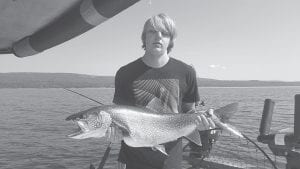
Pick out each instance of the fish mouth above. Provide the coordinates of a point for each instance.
(80, 130)
(75, 134)
(83, 131)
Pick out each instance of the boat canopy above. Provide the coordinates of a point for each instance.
(32, 26)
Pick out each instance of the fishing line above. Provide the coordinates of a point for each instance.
(266, 155)
(83, 96)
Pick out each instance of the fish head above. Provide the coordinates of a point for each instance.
(91, 124)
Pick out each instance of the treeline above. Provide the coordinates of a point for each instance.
(70, 80)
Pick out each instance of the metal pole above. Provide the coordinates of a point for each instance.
(297, 118)
(266, 119)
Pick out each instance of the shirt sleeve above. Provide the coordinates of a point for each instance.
(122, 95)
(118, 89)
(191, 95)
(122, 155)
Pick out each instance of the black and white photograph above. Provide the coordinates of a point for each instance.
(149, 84)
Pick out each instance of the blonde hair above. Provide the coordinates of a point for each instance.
(164, 24)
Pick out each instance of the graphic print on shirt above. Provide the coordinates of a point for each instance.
(161, 95)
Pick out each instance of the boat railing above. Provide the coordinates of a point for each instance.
(286, 142)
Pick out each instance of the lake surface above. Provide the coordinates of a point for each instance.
(33, 128)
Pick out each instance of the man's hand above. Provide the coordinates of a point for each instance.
(114, 134)
(205, 123)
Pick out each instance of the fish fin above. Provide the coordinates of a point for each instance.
(115, 135)
(155, 104)
(226, 112)
(158, 107)
(194, 137)
(160, 148)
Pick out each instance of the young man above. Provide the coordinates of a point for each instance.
(159, 82)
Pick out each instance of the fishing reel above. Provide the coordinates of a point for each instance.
(208, 137)
(285, 142)
(207, 140)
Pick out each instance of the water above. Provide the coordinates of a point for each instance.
(33, 128)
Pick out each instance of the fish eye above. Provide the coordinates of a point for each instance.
(98, 124)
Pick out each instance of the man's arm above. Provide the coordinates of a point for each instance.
(188, 107)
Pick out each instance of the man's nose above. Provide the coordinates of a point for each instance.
(158, 34)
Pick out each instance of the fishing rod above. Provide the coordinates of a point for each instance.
(107, 151)
(84, 96)
(265, 154)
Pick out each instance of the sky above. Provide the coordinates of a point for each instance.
(222, 39)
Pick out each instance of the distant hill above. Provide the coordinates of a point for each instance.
(240, 83)
(53, 80)
(70, 80)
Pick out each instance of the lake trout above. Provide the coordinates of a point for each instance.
(142, 127)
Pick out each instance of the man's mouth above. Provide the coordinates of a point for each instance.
(157, 44)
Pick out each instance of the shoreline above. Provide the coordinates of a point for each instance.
(113, 87)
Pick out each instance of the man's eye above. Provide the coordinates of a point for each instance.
(165, 34)
(152, 31)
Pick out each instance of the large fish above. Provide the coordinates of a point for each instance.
(142, 127)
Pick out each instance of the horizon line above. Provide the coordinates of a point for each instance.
(114, 76)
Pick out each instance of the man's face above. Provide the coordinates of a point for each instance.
(156, 42)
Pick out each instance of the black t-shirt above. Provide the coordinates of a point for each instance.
(163, 90)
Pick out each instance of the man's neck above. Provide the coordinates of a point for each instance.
(155, 61)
